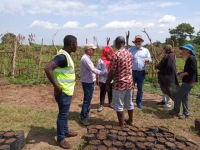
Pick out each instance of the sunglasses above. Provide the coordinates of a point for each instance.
(138, 41)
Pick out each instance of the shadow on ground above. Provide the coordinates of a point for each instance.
(40, 134)
(93, 106)
(75, 116)
(152, 108)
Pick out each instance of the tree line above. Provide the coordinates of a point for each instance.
(181, 34)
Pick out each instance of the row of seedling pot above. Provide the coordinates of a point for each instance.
(109, 137)
(12, 140)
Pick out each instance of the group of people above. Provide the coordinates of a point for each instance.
(117, 73)
(167, 77)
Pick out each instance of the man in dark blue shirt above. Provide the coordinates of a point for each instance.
(63, 91)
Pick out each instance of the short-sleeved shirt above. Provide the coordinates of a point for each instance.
(60, 61)
(121, 65)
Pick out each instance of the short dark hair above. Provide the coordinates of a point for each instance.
(120, 40)
(69, 39)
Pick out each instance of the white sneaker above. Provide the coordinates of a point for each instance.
(167, 106)
(84, 122)
(100, 108)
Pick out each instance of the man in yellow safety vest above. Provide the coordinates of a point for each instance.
(61, 73)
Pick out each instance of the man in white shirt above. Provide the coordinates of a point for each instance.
(141, 58)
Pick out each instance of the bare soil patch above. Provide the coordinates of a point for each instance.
(41, 96)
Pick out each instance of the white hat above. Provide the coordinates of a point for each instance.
(89, 46)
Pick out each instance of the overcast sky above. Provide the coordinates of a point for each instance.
(100, 18)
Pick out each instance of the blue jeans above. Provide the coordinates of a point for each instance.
(64, 102)
(88, 89)
(182, 96)
(139, 77)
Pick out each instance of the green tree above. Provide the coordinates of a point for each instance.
(181, 32)
(157, 43)
(196, 39)
(8, 38)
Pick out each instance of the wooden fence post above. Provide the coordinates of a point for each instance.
(40, 61)
(13, 59)
(18, 40)
(56, 49)
(127, 38)
(107, 41)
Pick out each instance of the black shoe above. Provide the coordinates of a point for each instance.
(160, 103)
(173, 112)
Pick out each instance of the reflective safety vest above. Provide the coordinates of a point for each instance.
(65, 77)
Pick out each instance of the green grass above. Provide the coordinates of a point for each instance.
(23, 117)
(37, 122)
(28, 81)
(197, 132)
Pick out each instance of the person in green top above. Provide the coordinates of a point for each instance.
(60, 72)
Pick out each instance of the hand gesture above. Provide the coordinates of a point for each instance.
(181, 75)
(57, 90)
(97, 82)
(146, 59)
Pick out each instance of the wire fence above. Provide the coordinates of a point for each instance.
(29, 64)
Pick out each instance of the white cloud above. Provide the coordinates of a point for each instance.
(167, 4)
(90, 25)
(79, 8)
(54, 7)
(130, 8)
(148, 25)
(122, 25)
(43, 24)
(48, 25)
(163, 25)
(71, 24)
(161, 32)
(167, 19)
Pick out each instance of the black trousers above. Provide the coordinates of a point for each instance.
(103, 93)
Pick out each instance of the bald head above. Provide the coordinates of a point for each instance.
(120, 40)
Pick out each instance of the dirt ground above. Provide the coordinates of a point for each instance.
(42, 96)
